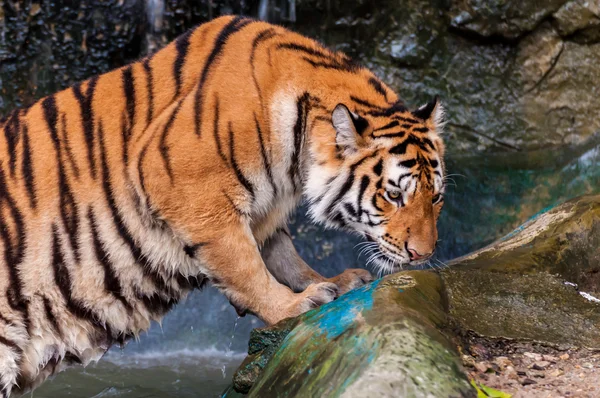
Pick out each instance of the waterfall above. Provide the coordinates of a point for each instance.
(154, 12)
(277, 10)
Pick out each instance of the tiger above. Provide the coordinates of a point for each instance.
(123, 193)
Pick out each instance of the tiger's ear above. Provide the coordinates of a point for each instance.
(348, 128)
(432, 112)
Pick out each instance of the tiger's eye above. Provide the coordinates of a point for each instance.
(394, 194)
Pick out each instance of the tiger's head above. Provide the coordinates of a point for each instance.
(389, 182)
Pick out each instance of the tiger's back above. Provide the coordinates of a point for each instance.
(121, 194)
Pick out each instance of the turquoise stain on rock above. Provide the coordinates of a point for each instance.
(333, 318)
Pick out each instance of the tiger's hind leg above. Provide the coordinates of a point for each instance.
(286, 265)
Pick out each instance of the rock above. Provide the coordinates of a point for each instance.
(482, 367)
(468, 360)
(537, 55)
(540, 365)
(556, 373)
(558, 101)
(533, 355)
(380, 339)
(564, 357)
(550, 358)
(385, 337)
(505, 18)
(514, 288)
(576, 15)
(503, 362)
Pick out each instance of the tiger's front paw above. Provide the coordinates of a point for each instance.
(351, 279)
(313, 296)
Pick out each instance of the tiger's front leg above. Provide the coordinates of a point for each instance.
(237, 269)
(287, 266)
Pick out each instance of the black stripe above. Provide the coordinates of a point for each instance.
(434, 163)
(149, 86)
(238, 172)
(422, 143)
(399, 134)
(376, 84)
(325, 56)
(129, 91)
(398, 106)
(303, 108)
(364, 184)
(348, 183)
(65, 140)
(27, 169)
(87, 118)
(12, 131)
(391, 124)
(216, 130)
(139, 257)
(374, 202)
(403, 176)
(421, 129)
(406, 119)
(338, 218)
(262, 36)
(50, 315)
(62, 278)
(11, 344)
(351, 211)
(191, 250)
(14, 249)
(367, 104)
(163, 147)
(408, 163)
(378, 168)
(181, 44)
(342, 68)
(265, 159)
(233, 26)
(68, 206)
(112, 284)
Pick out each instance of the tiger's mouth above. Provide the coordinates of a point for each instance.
(390, 259)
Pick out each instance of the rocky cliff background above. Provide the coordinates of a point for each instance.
(515, 75)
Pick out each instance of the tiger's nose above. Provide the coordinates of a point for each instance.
(414, 255)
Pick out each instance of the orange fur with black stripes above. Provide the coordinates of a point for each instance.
(121, 194)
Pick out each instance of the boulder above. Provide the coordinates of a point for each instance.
(398, 336)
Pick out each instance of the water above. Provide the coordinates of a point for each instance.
(229, 353)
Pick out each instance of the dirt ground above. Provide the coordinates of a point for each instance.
(529, 370)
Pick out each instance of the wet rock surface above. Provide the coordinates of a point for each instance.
(531, 284)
